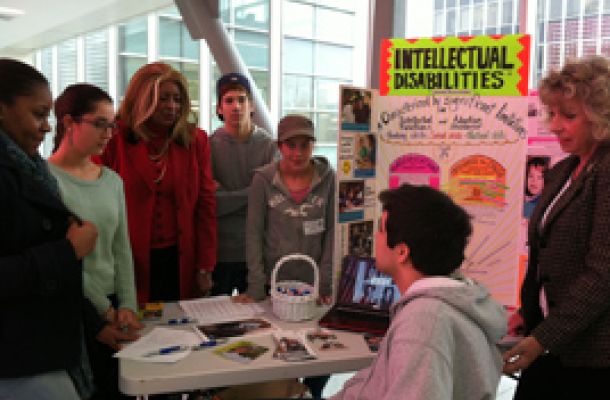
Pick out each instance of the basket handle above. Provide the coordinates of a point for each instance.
(291, 257)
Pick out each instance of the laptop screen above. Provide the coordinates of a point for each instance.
(362, 285)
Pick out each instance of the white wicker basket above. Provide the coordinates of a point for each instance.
(289, 307)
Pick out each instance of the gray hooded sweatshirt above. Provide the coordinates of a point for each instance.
(441, 345)
(233, 165)
(278, 226)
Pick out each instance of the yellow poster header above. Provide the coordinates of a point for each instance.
(484, 65)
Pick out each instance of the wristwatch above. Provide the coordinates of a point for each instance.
(203, 272)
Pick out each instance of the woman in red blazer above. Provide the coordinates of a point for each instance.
(165, 165)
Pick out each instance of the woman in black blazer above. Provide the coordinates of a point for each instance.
(566, 292)
(41, 300)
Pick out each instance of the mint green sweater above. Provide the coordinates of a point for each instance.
(108, 269)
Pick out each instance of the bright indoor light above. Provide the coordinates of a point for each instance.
(8, 13)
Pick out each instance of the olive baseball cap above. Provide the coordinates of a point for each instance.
(295, 125)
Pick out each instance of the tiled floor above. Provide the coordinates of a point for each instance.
(506, 388)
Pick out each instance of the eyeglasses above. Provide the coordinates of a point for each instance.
(99, 124)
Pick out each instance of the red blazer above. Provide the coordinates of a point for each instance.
(195, 204)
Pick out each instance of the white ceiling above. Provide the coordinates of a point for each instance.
(50, 21)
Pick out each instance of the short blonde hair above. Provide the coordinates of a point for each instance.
(141, 99)
(585, 80)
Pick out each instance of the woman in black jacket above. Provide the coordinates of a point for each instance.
(565, 297)
(41, 245)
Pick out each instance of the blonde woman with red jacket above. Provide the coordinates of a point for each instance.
(165, 165)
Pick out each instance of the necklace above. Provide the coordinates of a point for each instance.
(157, 152)
(158, 156)
(161, 166)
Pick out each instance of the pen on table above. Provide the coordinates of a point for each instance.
(181, 321)
(209, 343)
(167, 350)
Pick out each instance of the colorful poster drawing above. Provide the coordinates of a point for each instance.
(416, 169)
(346, 167)
(478, 180)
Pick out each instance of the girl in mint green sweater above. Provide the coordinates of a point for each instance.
(85, 119)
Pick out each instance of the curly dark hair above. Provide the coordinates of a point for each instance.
(435, 229)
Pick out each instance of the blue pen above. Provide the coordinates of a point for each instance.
(167, 350)
(209, 343)
(181, 321)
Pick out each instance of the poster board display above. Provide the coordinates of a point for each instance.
(468, 140)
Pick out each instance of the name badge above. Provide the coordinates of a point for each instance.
(313, 227)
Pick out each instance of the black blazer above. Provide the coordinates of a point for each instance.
(570, 258)
(40, 278)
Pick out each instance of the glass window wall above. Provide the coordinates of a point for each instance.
(66, 64)
(96, 58)
(133, 50)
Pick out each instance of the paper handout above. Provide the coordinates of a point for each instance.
(164, 345)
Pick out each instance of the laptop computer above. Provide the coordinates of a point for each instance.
(364, 297)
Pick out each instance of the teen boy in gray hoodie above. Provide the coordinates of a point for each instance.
(238, 147)
(441, 343)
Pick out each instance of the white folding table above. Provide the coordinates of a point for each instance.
(203, 369)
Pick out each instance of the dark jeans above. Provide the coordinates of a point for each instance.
(229, 275)
(104, 367)
(316, 385)
(164, 274)
(547, 378)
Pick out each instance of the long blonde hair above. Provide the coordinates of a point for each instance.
(141, 99)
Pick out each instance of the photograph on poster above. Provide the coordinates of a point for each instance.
(360, 239)
(535, 168)
(366, 147)
(536, 117)
(355, 109)
(351, 200)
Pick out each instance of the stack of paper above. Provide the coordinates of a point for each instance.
(219, 308)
